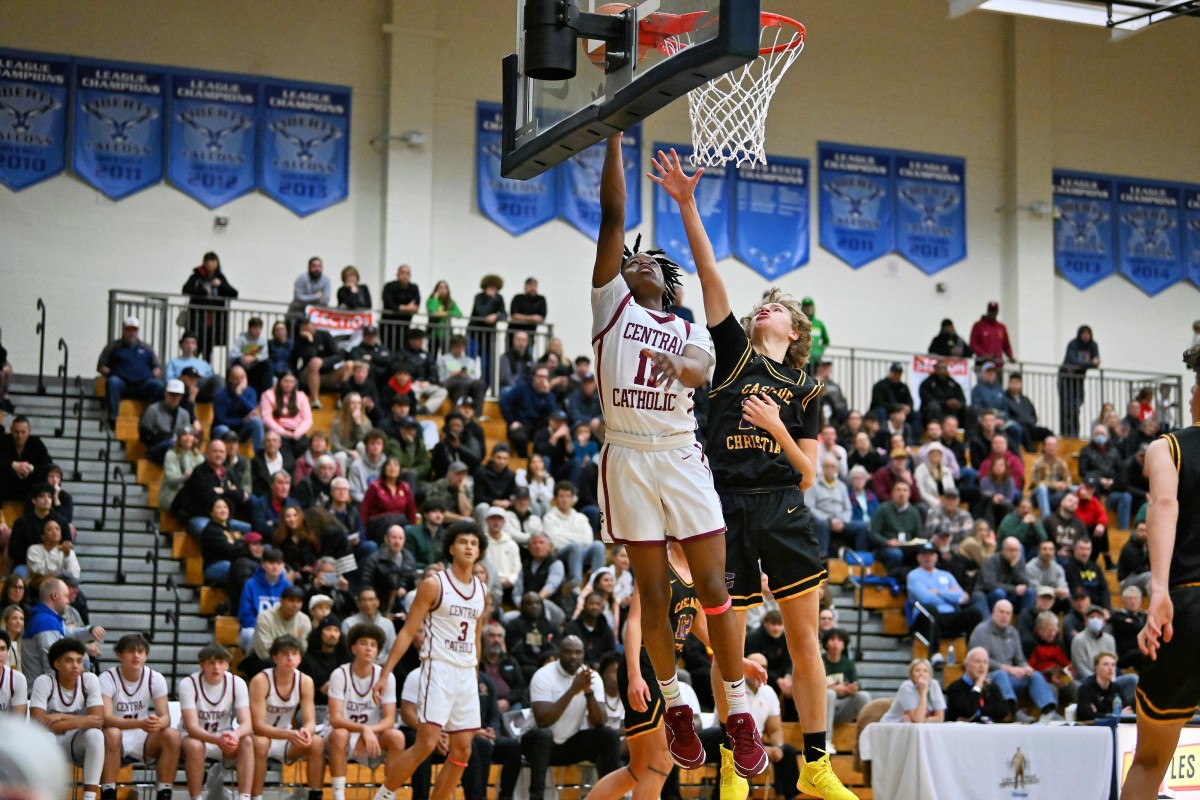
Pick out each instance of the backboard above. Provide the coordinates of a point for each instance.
(681, 45)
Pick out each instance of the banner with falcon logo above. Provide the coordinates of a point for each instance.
(304, 147)
(33, 117)
(1083, 227)
(1191, 233)
(713, 201)
(1148, 233)
(118, 125)
(516, 206)
(931, 210)
(211, 154)
(770, 215)
(856, 202)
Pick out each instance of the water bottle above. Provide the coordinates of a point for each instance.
(1116, 709)
(950, 656)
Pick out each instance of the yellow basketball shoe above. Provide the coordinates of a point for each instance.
(733, 786)
(818, 779)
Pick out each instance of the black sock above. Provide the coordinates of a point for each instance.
(1049, 708)
(814, 746)
(314, 794)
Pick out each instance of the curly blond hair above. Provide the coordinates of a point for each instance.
(797, 352)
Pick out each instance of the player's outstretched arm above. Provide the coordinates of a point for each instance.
(427, 595)
(610, 244)
(682, 189)
(1161, 519)
(639, 692)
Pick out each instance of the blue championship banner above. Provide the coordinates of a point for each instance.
(1084, 237)
(304, 146)
(211, 154)
(118, 128)
(931, 210)
(712, 199)
(1148, 233)
(579, 184)
(855, 202)
(1191, 233)
(33, 117)
(770, 217)
(516, 206)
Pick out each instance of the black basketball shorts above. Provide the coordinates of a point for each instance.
(1169, 687)
(769, 533)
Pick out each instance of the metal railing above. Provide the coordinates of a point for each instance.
(40, 330)
(120, 503)
(858, 369)
(151, 558)
(164, 318)
(173, 618)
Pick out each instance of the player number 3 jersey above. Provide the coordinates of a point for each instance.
(633, 402)
(451, 624)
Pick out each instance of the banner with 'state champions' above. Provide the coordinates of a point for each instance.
(770, 217)
(33, 117)
(855, 202)
(579, 184)
(211, 154)
(1084, 239)
(1191, 233)
(516, 206)
(713, 201)
(304, 146)
(118, 128)
(931, 210)
(1148, 233)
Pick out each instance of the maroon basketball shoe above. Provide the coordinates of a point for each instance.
(749, 757)
(682, 742)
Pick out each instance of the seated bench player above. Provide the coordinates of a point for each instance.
(67, 701)
(137, 718)
(363, 727)
(14, 689)
(215, 710)
(276, 694)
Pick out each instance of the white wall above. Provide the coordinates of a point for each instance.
(895, 74)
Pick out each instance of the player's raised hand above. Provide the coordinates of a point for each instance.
(639, 693)
(1158, 624)
(672, 178)
(668, 368)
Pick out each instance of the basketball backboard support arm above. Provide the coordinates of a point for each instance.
(531, 147)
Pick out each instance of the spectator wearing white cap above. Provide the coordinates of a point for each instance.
(164, 420)
(503, 557)
(130, 369)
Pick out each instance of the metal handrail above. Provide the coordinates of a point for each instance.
(173, 616)
(40, 330)
(852, 555)
(63, 371)
(151, 558)
(920, 609)
(76, 475)
(106, 454)
(120, 503)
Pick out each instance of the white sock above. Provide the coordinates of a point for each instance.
(735, 695)
(339, 788)
(385, 793)
(257, 797)
(89, 796)
(243, 796)
(197, 797)
(670, 691)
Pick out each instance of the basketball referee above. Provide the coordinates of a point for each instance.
(1169, 687)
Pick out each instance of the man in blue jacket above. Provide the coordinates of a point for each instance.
(525, 406)
(46, 625)
(130, 368)
(261, 593)
(939, 593)
(987, 395)
(234, 407)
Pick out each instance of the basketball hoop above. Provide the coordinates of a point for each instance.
(729, 113)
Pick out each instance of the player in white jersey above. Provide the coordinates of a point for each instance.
(363, 721)
(215, 710)
(654, 481)
(14, 695)
(67, 701)
(137, 718)
(276, 694)
(448, 607)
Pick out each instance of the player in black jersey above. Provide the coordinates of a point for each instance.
(762, 444)
(649, 762)
(1169, 686)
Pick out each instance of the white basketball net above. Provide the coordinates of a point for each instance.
(729, 113)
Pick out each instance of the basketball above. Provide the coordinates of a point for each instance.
(597, 55)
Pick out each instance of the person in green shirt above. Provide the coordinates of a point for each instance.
(820, 336)
(844, 700)
(897, 521)
(1023, 525)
